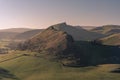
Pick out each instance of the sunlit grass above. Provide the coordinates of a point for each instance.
(36, 68)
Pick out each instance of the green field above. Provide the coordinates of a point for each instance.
(38, 68)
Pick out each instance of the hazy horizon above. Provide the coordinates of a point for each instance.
(43, 13)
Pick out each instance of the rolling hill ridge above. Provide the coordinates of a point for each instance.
(28, 34)
(111, 40)
(107, 29)
(77, 32)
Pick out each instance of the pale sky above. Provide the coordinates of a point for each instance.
(43, 13)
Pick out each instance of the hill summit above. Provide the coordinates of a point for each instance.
(77, 32)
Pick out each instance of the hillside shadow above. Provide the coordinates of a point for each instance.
(6, 74)
(115, 70)
(92, 54)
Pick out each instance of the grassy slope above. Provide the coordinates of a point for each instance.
(107, 29)
(36, 68)
(111, 40)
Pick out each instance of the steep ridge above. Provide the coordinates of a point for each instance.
(77, 32)
(54, 43)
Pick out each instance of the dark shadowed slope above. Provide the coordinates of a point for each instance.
(6, 75)
(92, 53)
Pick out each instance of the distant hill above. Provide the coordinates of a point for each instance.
(27, 34)
(18, 33)
(12, 32)
(111, 40)
(88, 27)
(77, 32)
(7, 35)
(107, 29)
(16, 30)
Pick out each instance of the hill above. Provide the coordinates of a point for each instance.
(107, 29)
(44, 40)
(16, 30)
(111, 40)
(7, 35)
(51, 42)
(27, 34)
(77, 32)
(12, 32)
(57, 44)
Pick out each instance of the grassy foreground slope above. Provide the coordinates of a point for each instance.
(38, 68)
